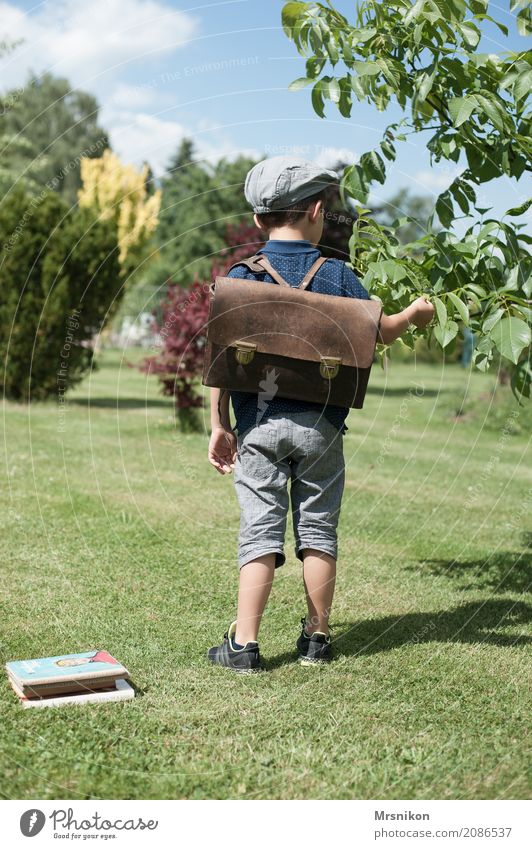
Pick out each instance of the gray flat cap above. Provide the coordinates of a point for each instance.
(283, 180)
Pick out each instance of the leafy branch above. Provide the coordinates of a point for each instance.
(423, 55)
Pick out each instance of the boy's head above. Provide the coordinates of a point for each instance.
(287, 196)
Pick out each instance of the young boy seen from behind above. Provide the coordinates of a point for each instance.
(277, 440)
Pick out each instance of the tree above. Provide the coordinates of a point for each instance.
(198, 202)
(18, 146)
(59, 276)
(120, 194)
(182, 328)
(47, 128)
(423, 55)
(340, 218)
(417, 209)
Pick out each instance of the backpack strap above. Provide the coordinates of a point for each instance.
(250, 262)
(312, 271)
(267, 266)
(258, 263)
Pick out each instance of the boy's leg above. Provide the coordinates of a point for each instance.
(255, 584)
(261, 479)
(319, 577)
(317, 487)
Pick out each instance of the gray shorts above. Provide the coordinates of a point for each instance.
(306, 449)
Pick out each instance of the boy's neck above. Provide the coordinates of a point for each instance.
(289, 234)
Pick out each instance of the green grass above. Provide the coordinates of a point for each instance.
(119, 535)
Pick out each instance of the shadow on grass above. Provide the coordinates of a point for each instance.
(504, 571)
(402, 391)
(121, 403)
(476, 622)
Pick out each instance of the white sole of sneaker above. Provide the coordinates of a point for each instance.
(239, 671)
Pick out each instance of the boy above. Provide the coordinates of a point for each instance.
(279, 439)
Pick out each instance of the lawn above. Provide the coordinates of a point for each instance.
(119, 535)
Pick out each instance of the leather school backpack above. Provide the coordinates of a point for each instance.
(288, 341)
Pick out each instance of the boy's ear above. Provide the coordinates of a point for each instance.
(258, 223)
(315, 210)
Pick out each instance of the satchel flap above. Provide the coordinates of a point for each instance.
(293, 323)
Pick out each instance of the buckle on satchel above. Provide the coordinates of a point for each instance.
(330, 366)
(245, 351)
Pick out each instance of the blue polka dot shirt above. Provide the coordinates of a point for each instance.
(292, 259)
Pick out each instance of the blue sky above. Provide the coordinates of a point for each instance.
(217, 72)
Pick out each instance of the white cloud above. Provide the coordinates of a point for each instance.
(93, 45)
(87, 42)
(227, 151)
(435, 180)
(138, 136)
(127, 97)
(329, 157)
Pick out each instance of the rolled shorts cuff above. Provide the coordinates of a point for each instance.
(325, 546)
(260, 551)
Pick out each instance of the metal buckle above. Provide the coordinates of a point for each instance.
(245, 351)
(330, 366)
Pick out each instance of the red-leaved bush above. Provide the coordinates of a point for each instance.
(182, 325)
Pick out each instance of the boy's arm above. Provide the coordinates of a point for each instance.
(419, 313)
(222, 444)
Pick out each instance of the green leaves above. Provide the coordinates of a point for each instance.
(524, 16)
(490, 322)
(492, 109)
(441, 311)
(354, 183)
(363, 34)
(522, 85)
(317, 99)
(470, 34)
(328, 88)
(300, 83)
(367, 69)
(520, 210)
(290, 15)
(424, 55)
(510, 336)
(446, 334)
(446, 329)
(371, 168)
(522, 380)
(414, 12)
(460, 307)
(331, 89)
(444, 208)
(461, 108)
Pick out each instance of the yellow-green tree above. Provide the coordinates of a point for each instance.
(121, 194)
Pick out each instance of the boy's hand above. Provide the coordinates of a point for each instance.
(222, 450)
(421, 312)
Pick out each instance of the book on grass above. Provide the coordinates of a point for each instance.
(85, 672)
(120, 691)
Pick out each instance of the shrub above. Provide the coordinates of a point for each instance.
(59, 278)
(181, 323)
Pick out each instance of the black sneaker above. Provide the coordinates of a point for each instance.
(313, 650)
(245, 660)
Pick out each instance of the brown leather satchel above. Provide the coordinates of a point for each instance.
(288, 342)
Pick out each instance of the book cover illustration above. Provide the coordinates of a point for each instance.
(90, 664)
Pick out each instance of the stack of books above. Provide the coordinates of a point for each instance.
(90, 676)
